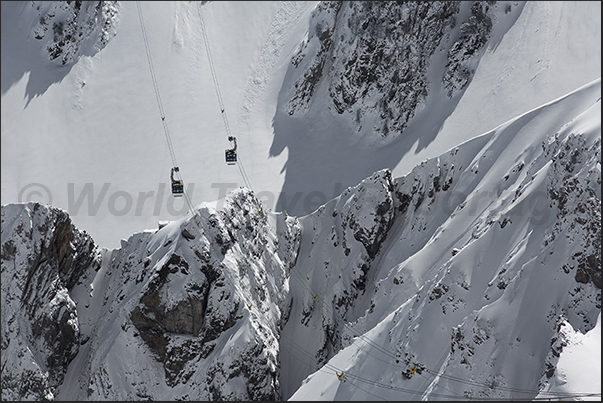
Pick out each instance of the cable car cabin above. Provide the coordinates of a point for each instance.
(177, 188)
(231, 157)
(177, 184)
(231, 153)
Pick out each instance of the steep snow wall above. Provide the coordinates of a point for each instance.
(440, 283)
(483, 253)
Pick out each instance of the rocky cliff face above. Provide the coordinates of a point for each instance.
(197, 303)
(69, 29)
(480, 254)
(574, 189)
(223, 270)
(200, 301)
(342, 239)
(488, 251)
(476, 263)
(43, 257)
(372, 59)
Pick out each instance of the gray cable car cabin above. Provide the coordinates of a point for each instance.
(177, 184)
(231, 153)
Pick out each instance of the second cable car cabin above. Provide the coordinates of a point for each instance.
(177, 184)
(231, 153)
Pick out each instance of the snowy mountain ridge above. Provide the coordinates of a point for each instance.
(475, 274)
(472, 230)
(210, 287)
(218, 306)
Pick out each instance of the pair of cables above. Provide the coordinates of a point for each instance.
(160, 103)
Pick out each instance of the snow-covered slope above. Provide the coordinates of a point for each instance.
(88, 137)
(439, 238)
(190, 311)
(573, 349)
(440, 283)
(520, 62)
(490, 247)
(92, 131)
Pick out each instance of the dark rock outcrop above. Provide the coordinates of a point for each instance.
(43, 257)
(69, 29)
(373, 57)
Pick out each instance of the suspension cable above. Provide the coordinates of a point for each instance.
(160, 104)
(214, 77)
(392, 356)
(307, 285)
(380, 384)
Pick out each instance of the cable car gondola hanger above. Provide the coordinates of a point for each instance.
(231, 154)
